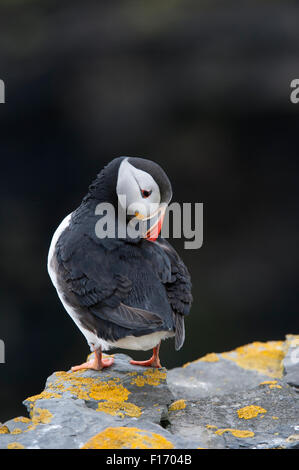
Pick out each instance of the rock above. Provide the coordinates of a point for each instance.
(243, 398)
(291, 361)
(247, 398)
(219, 374)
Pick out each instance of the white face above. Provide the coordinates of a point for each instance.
(137, 191)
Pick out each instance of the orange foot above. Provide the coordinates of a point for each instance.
(154, 361)
(97, 363)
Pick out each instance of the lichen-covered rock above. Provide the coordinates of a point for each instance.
(247, 398)
(243, 398)
(219, 374)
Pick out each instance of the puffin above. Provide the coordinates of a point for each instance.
(122, 291)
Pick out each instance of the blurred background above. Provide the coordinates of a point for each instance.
(201, 87)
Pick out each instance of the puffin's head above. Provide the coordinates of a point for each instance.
(144, 191)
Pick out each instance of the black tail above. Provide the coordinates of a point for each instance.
(179, 331)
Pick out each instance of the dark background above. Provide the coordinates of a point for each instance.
(203, 88)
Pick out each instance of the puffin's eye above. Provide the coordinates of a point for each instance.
(145, 193)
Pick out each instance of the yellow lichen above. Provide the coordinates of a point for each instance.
(109, 391)
(22, 419)
(269, 382)
(89, 388)
(152, 377)
(127, 438)
(235, 432)
(262, 357)
(249, 412)
(211, 426)
(16, 431)
(43, 395)
(4, 430)
(31, 427)
(211, 357)
(112, 395)
(275, 417)
(177, 405)
(15, 445)
(41, 416)
(139, 381)
(120, 409)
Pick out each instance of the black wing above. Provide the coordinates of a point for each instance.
(178, 287)
(88, 274)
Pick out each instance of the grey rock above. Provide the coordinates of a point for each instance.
(214, 402)
(216, 422)
(291, 361)
(204, 379)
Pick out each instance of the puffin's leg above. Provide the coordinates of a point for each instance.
(97, 363)
(154, 361)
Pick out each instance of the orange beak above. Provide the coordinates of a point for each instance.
(153, 233)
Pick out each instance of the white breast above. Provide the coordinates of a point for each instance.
(93, 340)
(64, 224)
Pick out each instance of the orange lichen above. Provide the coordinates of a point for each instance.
(249, 412)
(43, 396)
(108, 391)
(177, 405)
(269, 382)
(15, 445)
(22, 419)
(120, 409)
(127, 438)
(111, 394)
(262, 357)
(41, 416)
(211, 357)
(16, 431)
(4, 430)
(152, 377)
(235, 432)
(31, 427)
